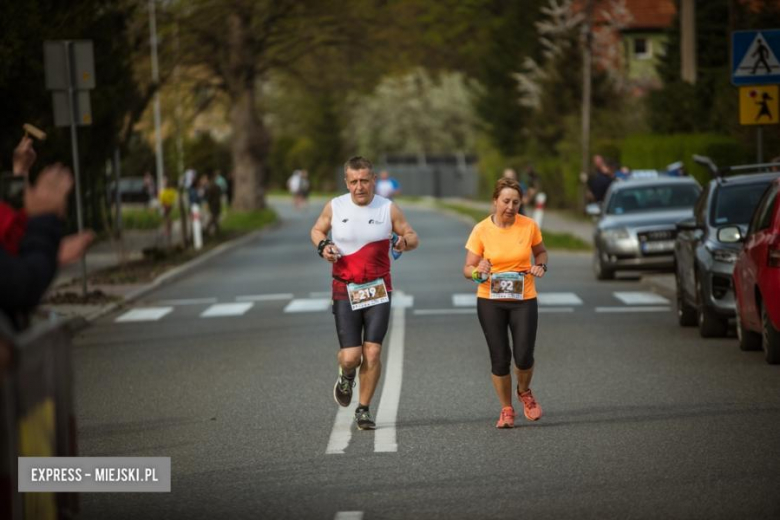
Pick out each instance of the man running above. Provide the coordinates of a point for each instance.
(361, 224)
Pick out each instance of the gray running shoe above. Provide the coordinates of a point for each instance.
(364, 420)
(342, 390)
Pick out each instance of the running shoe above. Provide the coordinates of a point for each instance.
(342, 390)
(532, 410)
(507, 418)
(364, 420)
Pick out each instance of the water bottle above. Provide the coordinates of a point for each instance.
(394, 241)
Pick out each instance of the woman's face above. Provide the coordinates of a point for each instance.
(507, 204)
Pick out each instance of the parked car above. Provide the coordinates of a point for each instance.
(704, 260)
(131, 189)
(757, 278)
(636, 229)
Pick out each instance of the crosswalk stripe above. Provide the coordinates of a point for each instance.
(219, 310)
(634, 309)
(349, 515)
(558, 298)
(640, 298)
(144, 314)
(308, 305)
(265, 297)
(190, 301)
(464, 300)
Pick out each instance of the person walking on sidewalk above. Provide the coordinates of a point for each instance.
(360, 223)
(498, 258)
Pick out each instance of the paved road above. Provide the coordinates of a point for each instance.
(643, 419)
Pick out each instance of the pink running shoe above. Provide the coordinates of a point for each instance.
(507, 418)
(532, 410)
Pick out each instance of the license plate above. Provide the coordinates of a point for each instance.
(657, 247)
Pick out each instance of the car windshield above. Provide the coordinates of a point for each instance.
(734, 205)
(653, 198)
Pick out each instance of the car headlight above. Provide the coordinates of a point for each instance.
(728, 256)
(615, 234)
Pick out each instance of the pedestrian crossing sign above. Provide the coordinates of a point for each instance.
(754, 57)
(759, 105)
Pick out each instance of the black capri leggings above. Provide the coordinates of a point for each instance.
(521, 317)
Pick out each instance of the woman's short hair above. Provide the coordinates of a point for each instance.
(505, 182)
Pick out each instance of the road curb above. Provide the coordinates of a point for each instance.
(179, 271)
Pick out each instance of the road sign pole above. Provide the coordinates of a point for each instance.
(75, 150)
(760, 142)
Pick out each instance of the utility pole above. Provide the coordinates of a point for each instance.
(156, 81)
(688, 41)
(587, 59)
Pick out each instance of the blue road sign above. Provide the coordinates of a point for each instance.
(754, 57)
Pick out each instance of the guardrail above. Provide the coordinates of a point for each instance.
(37, 415)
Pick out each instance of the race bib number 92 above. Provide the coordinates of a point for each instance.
(507, 286)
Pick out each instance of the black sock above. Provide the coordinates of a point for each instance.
(361, 408)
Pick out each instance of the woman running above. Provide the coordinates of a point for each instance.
(498, 258)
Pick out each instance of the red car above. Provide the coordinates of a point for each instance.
(757, 278)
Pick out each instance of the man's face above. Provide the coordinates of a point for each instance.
(360, 184)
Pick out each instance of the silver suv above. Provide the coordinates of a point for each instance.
(636, 228)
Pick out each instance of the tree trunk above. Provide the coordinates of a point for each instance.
(250, 142)
(248, 147)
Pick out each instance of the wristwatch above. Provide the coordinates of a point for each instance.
(543, 266)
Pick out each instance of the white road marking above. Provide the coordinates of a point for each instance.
(640, 298)
(559, 298)
(402, 300)
(634, 309)
(146, 314)
(385, 440)
(464, 300)
(265, 297)
(191, 301)
(341, 433)
(226, 309)
(550, 310)
(443, 312)
(323, 294)
(349, 515)
(308, 305)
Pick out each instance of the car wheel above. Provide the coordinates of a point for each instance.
(748, 340)
(710, 324)
(602, 272)
(686, 314)
(770, 339)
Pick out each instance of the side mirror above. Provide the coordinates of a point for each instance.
(730, 235)
(593, 209)
(688, 224)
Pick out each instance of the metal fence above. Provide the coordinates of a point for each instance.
(37, 415)
(429, 175)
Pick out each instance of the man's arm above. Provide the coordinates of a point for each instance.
(408, 239)
(319, 232)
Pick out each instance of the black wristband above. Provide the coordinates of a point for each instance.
(543, 266)
(322, 245)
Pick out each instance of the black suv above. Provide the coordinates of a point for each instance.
(704, 258)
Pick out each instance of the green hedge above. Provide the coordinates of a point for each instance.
(658, 151)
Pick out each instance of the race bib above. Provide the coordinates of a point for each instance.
(507, 286)
(367, 294)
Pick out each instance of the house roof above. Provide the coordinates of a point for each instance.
(645, 14)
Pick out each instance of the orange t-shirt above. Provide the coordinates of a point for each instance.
(508, 249)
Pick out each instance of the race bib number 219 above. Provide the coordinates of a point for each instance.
(367, 294)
